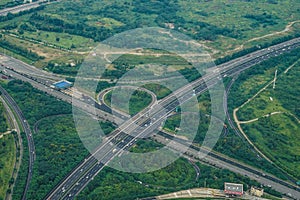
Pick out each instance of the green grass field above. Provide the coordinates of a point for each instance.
(7, 161)
(4, 2)
(148, 64)
(276, 135)
(52, 55)
(62, 39)
(159, 90)
(269, 17)
(137, 102)
(3, 120)
(7, 155)
(17, 56)
(222, 27)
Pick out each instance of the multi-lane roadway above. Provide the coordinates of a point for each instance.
(44, 81)
(220, 161)
(76, 180)
(90, 167)
(21, 7)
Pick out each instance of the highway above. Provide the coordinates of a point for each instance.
(224, 162)
(79, 177)
(27, 131)
(22, 7)
(230, 68)
(85, 103)
(29, 70)
(42, 80)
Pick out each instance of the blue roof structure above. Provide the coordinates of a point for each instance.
(61, 85)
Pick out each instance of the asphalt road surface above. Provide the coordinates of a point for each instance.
(224, 162)
(76, 181)
(20, 8)
(85, 103)
(230, 68)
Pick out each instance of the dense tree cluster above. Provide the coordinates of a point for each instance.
(23, 171)
(102, 85)
(3, 122)
(58, 146)
(65, 69)
(264, 19)
(58, 151)
(44, 104)
(52, 24)
(131, 15)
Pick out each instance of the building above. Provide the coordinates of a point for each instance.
(233, 189)
(256, 191)
(62, 85)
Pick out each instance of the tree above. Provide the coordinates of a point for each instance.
(11, 181)
(21, 32)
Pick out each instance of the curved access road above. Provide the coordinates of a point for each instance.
(14, 126)
(102, 94)
(90, 167)
(25, 126)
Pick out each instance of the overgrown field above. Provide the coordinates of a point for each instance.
(271, 117)
(7, 161)
(7, 155)
(75, 27)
